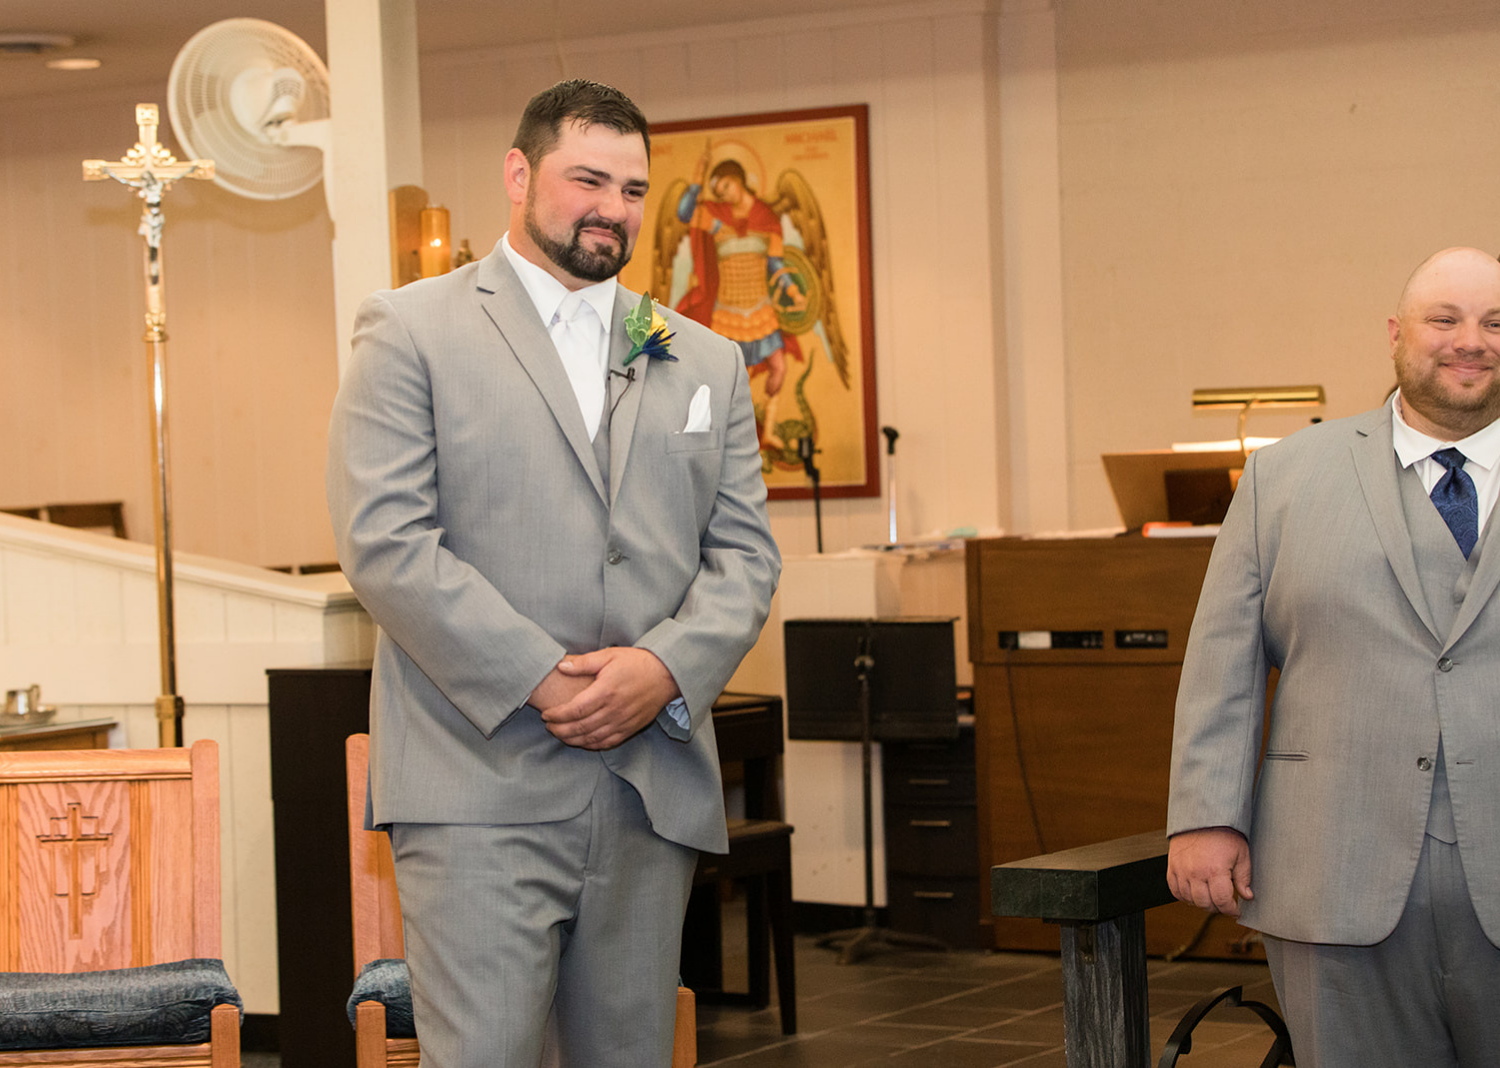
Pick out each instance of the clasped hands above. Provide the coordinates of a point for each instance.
(598, 700)
(1210, 867)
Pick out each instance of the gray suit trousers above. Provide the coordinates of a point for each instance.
(1425, 996)
(579, 919)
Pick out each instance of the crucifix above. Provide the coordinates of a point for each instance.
(150, 170)
(82, 879)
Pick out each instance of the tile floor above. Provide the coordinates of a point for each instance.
(966, 1009)
(963, 1009)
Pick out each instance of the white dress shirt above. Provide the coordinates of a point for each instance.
(585, 358)
(1481, 456)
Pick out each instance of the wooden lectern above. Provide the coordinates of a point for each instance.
(1077, 647)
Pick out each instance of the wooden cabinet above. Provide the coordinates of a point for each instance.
(312, 711)
(1077, 647)
(931, 838)
(79, 734)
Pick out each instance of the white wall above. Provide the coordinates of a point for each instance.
(1245, 188)
(1242, 191)
(922, 71)
(251, 370)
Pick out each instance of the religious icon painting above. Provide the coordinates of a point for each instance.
(758, 226)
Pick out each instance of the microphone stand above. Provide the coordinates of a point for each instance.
(806, 451)
(856, 943)
(891, 434)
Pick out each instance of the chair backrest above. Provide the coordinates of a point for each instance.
(372, 874)
(98, 516)
(110, 858)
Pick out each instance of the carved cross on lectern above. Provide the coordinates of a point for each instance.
(150, 170)
(73, 878)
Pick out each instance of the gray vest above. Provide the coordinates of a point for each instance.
(601, 439)
(1446, 577)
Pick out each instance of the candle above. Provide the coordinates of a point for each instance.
(433, 251)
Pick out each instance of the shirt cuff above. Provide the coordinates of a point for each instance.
(677, 713)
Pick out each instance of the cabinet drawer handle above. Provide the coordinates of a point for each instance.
(933, 895)
(927, 782)
(932, 823)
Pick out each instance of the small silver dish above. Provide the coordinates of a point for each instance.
(37, 716)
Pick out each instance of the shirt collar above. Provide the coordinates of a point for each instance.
(547, 292)
(1482, 447)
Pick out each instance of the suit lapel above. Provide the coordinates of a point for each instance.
(622, 419)
(1375, 464)
(509, 307)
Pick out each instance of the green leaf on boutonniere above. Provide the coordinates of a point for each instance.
(638, 321)
(648, 332)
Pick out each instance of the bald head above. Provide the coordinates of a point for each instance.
(1445, 341)
(1441, 269)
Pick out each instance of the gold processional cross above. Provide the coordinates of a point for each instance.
(150, 170)
(76, 880)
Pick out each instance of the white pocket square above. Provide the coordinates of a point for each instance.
(699, 418)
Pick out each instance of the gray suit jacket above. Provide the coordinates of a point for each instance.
(1314, 574)
(473, 524)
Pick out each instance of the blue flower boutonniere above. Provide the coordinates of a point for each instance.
(647, 331)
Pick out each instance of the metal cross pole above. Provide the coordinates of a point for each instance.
(150, 170)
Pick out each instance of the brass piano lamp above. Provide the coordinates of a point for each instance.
(1245, 398)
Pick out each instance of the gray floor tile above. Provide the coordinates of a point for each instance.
(964, 1009)
(958, 1053)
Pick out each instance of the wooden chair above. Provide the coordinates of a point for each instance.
(377, 932)
(748, 730)
(111, 860)
(99, 516)
(760, 860)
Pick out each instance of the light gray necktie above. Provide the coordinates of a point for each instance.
(575, 332)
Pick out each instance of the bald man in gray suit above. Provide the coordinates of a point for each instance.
(562, 534)
(1356, 560)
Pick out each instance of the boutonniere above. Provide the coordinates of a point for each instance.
(647, 331)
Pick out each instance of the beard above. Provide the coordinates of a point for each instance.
(572, 256)
(1443, 404)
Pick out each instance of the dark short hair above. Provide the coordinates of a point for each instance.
(728, 168)
(576, 100)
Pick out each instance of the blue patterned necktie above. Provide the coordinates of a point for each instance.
(1456, 500)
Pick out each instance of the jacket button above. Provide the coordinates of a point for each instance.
(1445, 664)
(615, 556)
(1424, 764)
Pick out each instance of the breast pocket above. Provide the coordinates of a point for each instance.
(696, 442)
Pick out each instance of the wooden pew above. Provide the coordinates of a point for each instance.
(1098, 895)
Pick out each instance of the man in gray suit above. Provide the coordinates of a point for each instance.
(1355, 560)
(557, 517)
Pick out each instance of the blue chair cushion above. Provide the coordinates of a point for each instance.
(388, 982)
(158, 1005)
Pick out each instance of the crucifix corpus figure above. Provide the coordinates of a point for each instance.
(150, 170)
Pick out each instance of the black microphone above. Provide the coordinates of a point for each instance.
(629, 376)
(805, 451)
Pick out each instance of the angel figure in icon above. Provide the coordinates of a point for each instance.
(755, 270)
